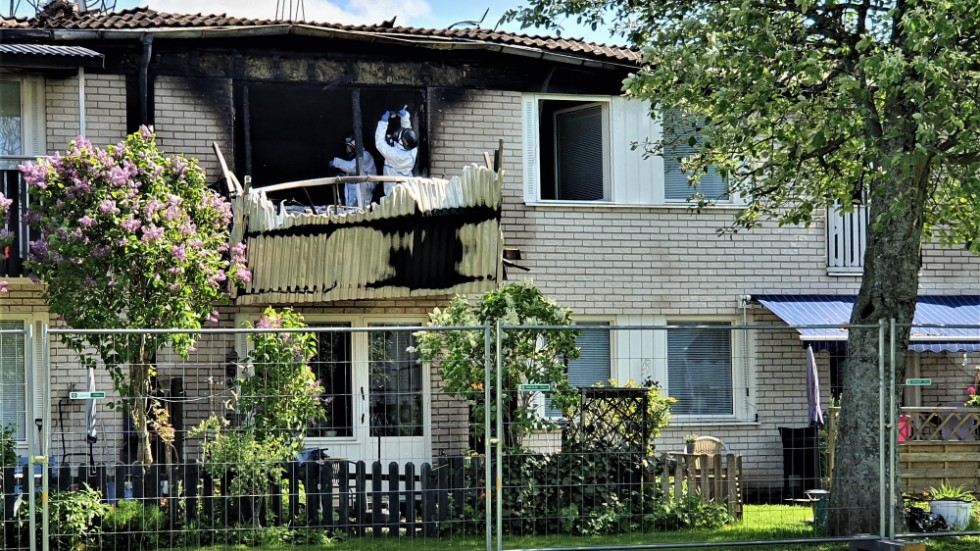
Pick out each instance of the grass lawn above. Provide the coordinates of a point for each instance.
(762, 522)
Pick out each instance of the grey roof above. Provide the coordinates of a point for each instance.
(45, 50)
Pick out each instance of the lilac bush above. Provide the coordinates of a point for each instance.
(6, 237)
(130, 238)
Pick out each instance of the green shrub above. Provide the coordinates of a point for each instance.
(8, 444)
(131, 523)
(690, 512)
(74, 519)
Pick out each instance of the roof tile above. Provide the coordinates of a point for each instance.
(145, 18)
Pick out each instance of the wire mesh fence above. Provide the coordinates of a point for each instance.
(657, 433)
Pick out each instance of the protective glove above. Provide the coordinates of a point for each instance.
(406, 118)
(385, 116)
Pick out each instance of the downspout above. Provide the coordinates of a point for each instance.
(81, 101)
(144, 78)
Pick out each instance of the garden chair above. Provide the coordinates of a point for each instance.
(709, 444)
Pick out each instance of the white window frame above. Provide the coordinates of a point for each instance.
(640, 353)
(632, 178)
(538, 401)
(33, 372)
(33, 138)
(359, 368)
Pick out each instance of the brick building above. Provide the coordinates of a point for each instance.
(620, 246)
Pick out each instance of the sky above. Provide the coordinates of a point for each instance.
(436, 14)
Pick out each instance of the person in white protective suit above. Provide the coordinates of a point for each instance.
(400, 150)
(349, 167)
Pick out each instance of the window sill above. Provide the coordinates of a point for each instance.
(677, 423)
(845, 272)
(611, 204)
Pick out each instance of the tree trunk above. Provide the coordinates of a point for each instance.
(888, 291)
(139, 374)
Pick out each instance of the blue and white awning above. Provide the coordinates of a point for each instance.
(941, 323)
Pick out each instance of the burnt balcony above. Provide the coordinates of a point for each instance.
(429, 237)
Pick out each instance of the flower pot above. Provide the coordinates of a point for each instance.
(955, 513)
(689, 447)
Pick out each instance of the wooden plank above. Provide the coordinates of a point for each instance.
(665, 476)
(394, 499)
(343, 488)
(192, 478)
(457, 477)
(292, 474)
(428, 502)
(360, 498)
(376, 500)
(731, 480)
(678, 479)
(410, 496)
(718, 473)
(327, 492)
(311, 480)
(443, 474)
(927, 457)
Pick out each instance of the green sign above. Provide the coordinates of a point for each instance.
(918, 382)
(534, 388)
(85, 395)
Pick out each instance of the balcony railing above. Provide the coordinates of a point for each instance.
(846, 240)
(13, 187)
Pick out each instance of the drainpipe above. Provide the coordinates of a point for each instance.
(144, 78)
(81, 100)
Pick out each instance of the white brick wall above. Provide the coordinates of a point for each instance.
(105, 110)
(191, 114)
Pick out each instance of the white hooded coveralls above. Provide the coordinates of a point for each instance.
(350, 168)
(398, 160)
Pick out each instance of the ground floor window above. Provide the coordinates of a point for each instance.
(13, 379)
(699, 369)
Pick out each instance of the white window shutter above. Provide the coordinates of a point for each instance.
(35, 139)
(532, 147)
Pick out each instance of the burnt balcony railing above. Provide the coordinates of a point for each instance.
(13, 187)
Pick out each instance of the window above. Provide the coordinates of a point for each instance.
(580, 150)
(332, 367)
(21, 120)
(684, 140)
(592, 365)
(288, 131)
(13, 378)
(395, 380)
(699, 370)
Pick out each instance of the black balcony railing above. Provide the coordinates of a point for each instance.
(13, 187)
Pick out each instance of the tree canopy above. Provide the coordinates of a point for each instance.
(130, 238)
(804, 105)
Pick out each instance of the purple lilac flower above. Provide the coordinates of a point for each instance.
(4, 287)
(108, 206)
(151, 232)
(130, 224)
(180, 253)
(86, 222)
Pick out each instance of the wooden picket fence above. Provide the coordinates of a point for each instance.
(352, 497)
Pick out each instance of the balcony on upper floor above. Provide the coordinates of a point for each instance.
(429, 237)
(847, 234)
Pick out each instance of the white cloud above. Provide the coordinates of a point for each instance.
(349, 12)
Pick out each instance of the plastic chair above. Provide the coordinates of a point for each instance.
(709, 444)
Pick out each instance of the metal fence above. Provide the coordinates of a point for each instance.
(404, 448)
